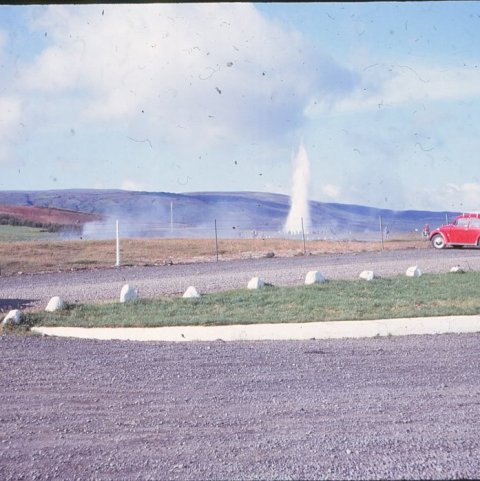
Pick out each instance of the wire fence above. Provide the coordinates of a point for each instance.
(368, 229)
(353, 227)
(376, 229)
(258, 239)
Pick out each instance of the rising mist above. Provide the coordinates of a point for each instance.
(298, 219)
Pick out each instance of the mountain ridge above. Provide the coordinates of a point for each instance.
(236, 210)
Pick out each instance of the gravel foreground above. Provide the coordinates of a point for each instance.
(382, 408)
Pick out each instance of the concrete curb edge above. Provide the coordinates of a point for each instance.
(276, 332)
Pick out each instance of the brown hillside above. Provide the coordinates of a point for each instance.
(47, 215)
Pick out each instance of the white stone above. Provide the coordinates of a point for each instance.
(367, 275)
(457, 269)
(128, 293)
(413, 271)
(314, 277)
(191, 292)
(255, 283)
(55, 304)
(13, 318)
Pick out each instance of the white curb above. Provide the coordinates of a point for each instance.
(276, 332)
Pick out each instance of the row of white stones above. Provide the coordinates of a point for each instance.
(129, 293)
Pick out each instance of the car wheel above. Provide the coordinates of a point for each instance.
(438, 241)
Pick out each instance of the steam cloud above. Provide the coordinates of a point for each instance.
(299, 205)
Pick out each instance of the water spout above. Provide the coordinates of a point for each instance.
(298, 219)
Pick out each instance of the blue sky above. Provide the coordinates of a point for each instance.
(217, 97)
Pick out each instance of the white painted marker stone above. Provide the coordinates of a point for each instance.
(255, 283)
(128, 293)
(55, 304)
(314, 277)
(13, 318)
(367, 275)
(413, 271)
(191, 292)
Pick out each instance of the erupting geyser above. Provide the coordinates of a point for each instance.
(299, 207)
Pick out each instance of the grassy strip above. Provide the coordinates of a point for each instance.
(9, 233)
(430, 295)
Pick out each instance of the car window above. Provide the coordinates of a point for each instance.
(475, 222)
(462, 222)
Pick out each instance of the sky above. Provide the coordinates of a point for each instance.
(384, 97)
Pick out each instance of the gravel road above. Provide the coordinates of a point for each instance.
(28, 291)
(384, 408)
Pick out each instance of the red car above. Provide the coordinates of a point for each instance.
(463, 231)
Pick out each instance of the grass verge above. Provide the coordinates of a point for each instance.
(429, 295)
(9, 233)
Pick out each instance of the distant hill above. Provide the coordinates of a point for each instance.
(155, 213)
(26, 214)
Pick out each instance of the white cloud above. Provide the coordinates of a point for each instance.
(332, 192)
(10, 114)
(382, 85)
(129, 184)
(453, 197)
(10, 125)
(3, 41)
(192, 73)
(465, 196)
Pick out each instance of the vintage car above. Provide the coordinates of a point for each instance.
(463, 231)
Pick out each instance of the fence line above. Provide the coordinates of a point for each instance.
(117, 230)
(131, 228)
(205, 232)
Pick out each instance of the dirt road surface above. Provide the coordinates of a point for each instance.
(384, 408)
(100, 285)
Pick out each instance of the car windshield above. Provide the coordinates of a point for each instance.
(462, 222)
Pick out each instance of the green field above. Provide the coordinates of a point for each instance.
(10, 233)
(429, 295)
